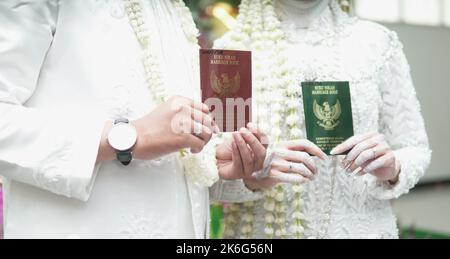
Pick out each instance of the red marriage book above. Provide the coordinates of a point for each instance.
(226, 82)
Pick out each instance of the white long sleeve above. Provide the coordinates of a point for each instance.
(233, 191)
(52, 150)
(401, 122)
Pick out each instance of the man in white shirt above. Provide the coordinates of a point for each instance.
(79, 119)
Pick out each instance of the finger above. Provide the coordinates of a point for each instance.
(360, 171)
(183, 125)
(204, 119)
(200, 106)
(236, 158)
(178, 102)
(224, 152)
(200, 131)
(350, 143)
(366, 156)
(369, 155)
(360, 147)
(246, 157)
(195, 144)
(194, 104)
(262, 137)
(307, 146)
(297, 157)
(357, 171)
(296, 168)
(258, 149)
(287, 178)
(381, 162)
(188, 126)
(186, 111)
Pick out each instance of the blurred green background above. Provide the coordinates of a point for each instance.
(213, 17)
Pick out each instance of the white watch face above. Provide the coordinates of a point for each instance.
(122, 137)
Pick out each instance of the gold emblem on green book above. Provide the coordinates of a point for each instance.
(327, 115)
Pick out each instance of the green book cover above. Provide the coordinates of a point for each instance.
(328, 113)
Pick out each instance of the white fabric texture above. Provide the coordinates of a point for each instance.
(337, 47)
(66, 67)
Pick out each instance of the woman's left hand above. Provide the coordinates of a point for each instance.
(369, 153)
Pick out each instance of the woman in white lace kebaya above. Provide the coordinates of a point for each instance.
(349, 196)
(70, 68)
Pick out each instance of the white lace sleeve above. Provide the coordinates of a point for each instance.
(233, 191)
(401, 122)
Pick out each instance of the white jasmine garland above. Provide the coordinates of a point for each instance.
(269, 231)
(296, 228)
(269, 205)
(292, 119)
(247, 218)
(297, 215)
(297, 188)
(230, 220)
(269, 218)
(296, 133)
(279, 196)
(198, 172)
(280, 213)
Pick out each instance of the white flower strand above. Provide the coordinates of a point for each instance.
(254, 23)
(194, 169)
(247, 218)
(151, 64)
(296, 227)
(187, 22)
(274, 41)
(269, 206)
(230, 220)
(294, 123)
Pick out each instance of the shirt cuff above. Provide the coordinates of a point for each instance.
(82, 167)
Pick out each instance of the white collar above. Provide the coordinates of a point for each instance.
(301, 13)
(329, 20)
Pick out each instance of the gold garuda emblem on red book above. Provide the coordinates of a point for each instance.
(328, 115)
(225, 86)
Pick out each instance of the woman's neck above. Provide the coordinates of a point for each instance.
(301, 12)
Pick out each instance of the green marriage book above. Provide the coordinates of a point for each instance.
(328, 113)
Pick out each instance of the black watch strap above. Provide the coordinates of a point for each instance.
(121, 120)
(124, 157)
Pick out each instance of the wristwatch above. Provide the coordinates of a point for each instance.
(122, 138)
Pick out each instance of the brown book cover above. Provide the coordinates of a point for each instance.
(226, 82)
